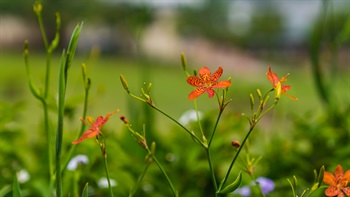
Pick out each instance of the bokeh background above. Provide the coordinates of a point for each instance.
(143, 40)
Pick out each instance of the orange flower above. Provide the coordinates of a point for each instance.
(337, 182)
(206, 82)
(94, 126)
(277, 84)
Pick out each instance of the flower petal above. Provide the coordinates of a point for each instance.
(329, 178)
(346, 190)
(291, 97)
(217, 74)
(347, 176)
(211, 92)
(271, 76)
(285, 88)
(222, 84)
(338, 172)
(194, 81)
(204, 73)
(196, 93)
(92, 132)
(332, 191)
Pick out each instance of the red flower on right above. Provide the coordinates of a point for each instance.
(338, 183)
(277, 84)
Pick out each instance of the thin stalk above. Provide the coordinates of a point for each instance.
(107, 174)
(42, 29)
(189, 132)
(215, 126)
(59, 135)
(211, 169)
(166, 175)
(139, 180)
(236, 156)
(199, 121)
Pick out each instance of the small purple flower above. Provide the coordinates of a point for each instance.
(266, 184)
(243, 191)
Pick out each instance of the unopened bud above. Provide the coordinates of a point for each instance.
(259, 93)
(236, 144)
(149, 87)
(183, 61)
(124, 83)
(37, 8)
(123, 118)
(251, 100)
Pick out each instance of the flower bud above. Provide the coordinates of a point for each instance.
(251, 100)
(37, 8)
(259, 93)
(123, 118)
(124, 83)
(236, 144)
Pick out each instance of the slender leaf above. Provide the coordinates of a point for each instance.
(16, 191)
(85, 191)
(233, 186)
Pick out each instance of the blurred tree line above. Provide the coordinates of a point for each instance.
(210, 19)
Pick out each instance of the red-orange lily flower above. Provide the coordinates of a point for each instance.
(206, 82)
(337, 182)
(277, 84)
(94, 126)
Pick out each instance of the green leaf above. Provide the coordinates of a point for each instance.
(85, 191)
(344, 34)
(233, 186)
(16, 192)
(5, 190)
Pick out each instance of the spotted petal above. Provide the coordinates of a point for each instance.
(332, 191)
(210, 92)
(92, 132)
(346, 190)
(222, 84)
(204, 73)
(194, 81)
(196, 93)
(217, 74)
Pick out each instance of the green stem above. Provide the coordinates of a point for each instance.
(165, 174)
(214, 130)
(139, 180)
(107, 174)
(199, 122)
(59, 135)
(236, 156)
(211, 169)
(188, 131)
(43, 33)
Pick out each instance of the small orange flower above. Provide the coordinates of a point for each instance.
(94, 126)
(277, 84)
(337, 182)
(206, 82)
